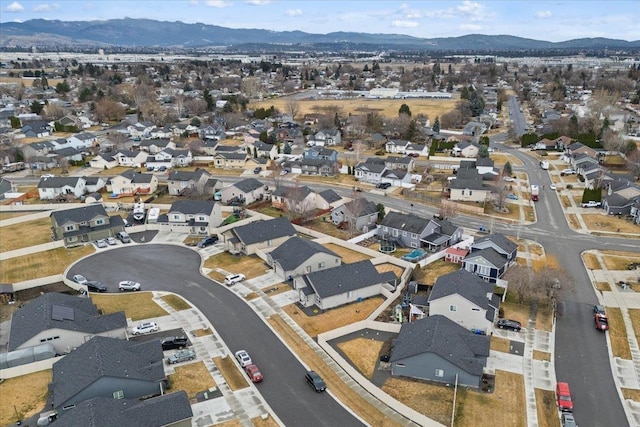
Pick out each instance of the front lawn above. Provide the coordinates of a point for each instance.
(433, 400)
(25, 234)
(192, 378)
(235, 378)
(249, 265)
(41, 264)
(136, 305)
(363, 353)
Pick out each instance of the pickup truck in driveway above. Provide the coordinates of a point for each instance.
(590, 204)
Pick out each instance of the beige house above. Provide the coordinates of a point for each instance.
(131, 183)
(192, 216)
(230, 160)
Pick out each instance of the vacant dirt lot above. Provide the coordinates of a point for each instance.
(25, 395)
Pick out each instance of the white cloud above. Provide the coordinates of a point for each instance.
(258, 2)
(46, 7)
(404, 24)
(543, 13)
(293, 12)
(217, 3)
(14, 7)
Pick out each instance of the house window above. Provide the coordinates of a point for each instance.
(475, 309)
(414, 245)
(414, 236)
(453, 308)
(404, 233)
(483, 270)
(99, 221)
(350, 294)
(118, 394)
(321, 265)
(400, 365)
(69, 228)
(439, 373)
(175, 217)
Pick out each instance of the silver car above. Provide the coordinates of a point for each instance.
(128, 285)
(182, 356)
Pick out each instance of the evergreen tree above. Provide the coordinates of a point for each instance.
(404, 109)
(255, 152)
(507, 170)
(436, 125)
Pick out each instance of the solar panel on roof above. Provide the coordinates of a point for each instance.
(59, 312)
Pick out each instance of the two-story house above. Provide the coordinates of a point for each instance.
(405, 163)
(130, 183)
(84, 224)
(53, 188)
(411, 231)
(192, 216)
(490, 257)
(358, 214)
(130, 158)
(326, 137)
(262, 149)
(370, 171)
(298, 199)
(258, 235)
(181, 183)
(246, 191)
(224, 160)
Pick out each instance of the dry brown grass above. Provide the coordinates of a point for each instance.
(361, 106)
(618, 334)
(517, 312)
(603, 286)
(41, 264)
(546, 408)
(363, 353)
(634, 314)
(620, 261)
(251, 266)
(572, 219)
(25, 234)
(429, 273)
(544, 319)
(602, 222)
(348, 256)
(433, 400)
(397, 270)
(234, 377)
(176, 302)
(9, 215)
(270, 291)
(342, 179)
(202, 332)
(341, 390)
(501, 158)
(500, 344)
(260, 422)
(631, 393)
(191, 378)
(488, 409)
(27, 394)
(541, 355)
(591, 261)
(334, 318)
(330, 229)
(136, 305)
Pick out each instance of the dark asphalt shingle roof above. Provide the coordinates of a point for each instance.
(297, 250)
(137, 177)
(345, 278)
(329, 196)
(405, 222)
(59, 181)
(465, 284)
(490, 255)
(187, 175)
(248, 185)
(76, 215)
(106, 357)
(447, 339)
(36, 316)
(193, 207)
(499, 240)
(263, 230)
(361, 207)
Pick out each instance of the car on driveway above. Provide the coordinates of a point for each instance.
(568, 420)
(590, 204)
(383, 185)
(553, 187)
(234, 278)
(601, 322)
(172, 343)
(243, 358)
(129, 285)
(513, 325)
(182, 356)
(568, 172)
(101, 243)
(111, 241)
(207, 241)
(80, 279)
(95, 286)
(254, 373)
(315, 381)
(508, 179)
(145, 328)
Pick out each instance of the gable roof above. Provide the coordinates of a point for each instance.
(248, 185)
(187, 175)
(444, 337)
(137, 177)
(295, 193)
(263, 230)
(84, 213)
(500, 240)
(297, 250)
(465, 284)
(361, 207)
(59, 181)
(105, 357)
(345, 278)
(490, 255)
(406, 222)
(60, 311)
(330, 196)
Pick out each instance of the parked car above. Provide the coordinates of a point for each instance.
(383, 185)
(80, 279)
(598, 309)
(101, 243)
(563, 395)
(208, 241)
(95, 286)
(111, 241)
(129, 285)
(512, 196)
(568, 172)
(601, 322)
(514, 325)
(243, 358)
(124, 237)
(233, 278)
(171, 343)
(182, 356)
(315, 381)
(162, 169)
(254, 373)
(552, 187)
(591, 204)
(508, 179)
(145, 328)
(568, 420)
(257, 170)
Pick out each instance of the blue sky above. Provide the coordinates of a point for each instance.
(541, 20)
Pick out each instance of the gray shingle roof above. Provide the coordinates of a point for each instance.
(137, 177)
(36, 316)
(371, 167)
(105, 357)
(406, 222)
(297, 250)
(465, 284)
(187, 175)
(108, 412)
(500, 240)
(492, 256)
(329, 196)
(232, 156)
(261, 231)
(248, 185)
(84, 213)
(345, 278)
(297, 193)
(193, 207)
(361, 207)
(59, 181)
(447, 339)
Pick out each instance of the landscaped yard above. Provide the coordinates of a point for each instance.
(251, 266)
(23, 396)
(235, 378)
(136, 305)
(618, 334)
(348, 256)
(192, 378)
(434, 401)
(25, 234)
(334, 318)
(41, 264)
(429, 273)
(363, 353)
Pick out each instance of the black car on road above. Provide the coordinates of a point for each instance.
(95, 286)
(171, 343)
(315, 381)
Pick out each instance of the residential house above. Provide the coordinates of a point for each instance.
(319, 167)
(411, 231)
(246, 191)
(93, 184)
(225, 149)
(370, 170)
(438, 349)
(298, 256)
(108, 367)
(635, 212)
(413, 149)
(258, 235)
(224, 160)
(38, 150)
(130, 183)
(498, 242)
(622, 195)
(167, 410)
(262, 149)
(455, 255)
(57, 187)
(466, 149)
(62, 320)
(579, 148)
(398, 146)
(474, 129)
(358, 214)
(486, 263)
(550, 144)
(84, 224)
(181, 183)
(134, 159)
(252, 164)
(396, 177)
(290, 136)
(468, 187)
(405, 163)
(327, 199)
(36, 129)
(320, 153)
(69, 154)
(169, 158)
(208, 147)
(466, 299)
(343, 284)
(6, 187)
(104, 161)
(213, 132)
(295, 199)
(326, 138)
(82, 140)
(192, 216)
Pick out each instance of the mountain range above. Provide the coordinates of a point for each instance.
(170, 35)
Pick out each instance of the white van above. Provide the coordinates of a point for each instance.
(233, 278)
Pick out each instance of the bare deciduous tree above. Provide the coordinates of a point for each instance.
(107, 109)
(293, 107)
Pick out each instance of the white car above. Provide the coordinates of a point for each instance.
(145, 328)
(568, 172)
(111, 241)
(243, 358)
(508, 179)
(553, 186)
(101, 243)
(128, 285)
(234, 278)
(80, 279)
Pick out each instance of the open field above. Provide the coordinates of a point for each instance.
(41, 264)
(363, 353)
(192, 378)
(360, 106)
(250, 266)
(618, 334)
(235, 378)
(136, 305)
(334, 318)
(348, 256)
(547, 408)
(14, 398)
(432, 400)
(25, 234)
